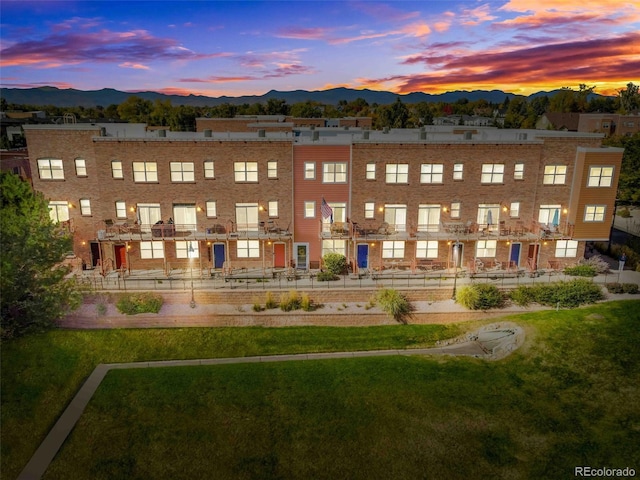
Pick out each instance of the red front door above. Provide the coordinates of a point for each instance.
(121, 256)
(278, 255)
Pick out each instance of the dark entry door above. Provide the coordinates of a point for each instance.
(532, 256)
(363, 255)
(95, 254)
(120, 252)
(515, 254)
(218, 255)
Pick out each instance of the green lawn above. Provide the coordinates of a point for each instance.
(570, 397)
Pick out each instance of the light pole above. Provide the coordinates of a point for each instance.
(190, 253)
(456, 250)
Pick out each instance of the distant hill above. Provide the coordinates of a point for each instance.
(107, 96)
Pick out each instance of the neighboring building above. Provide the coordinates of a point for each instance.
(567, 122)
(414, 199)
(16, 161)
(276, 123)
(609, 124)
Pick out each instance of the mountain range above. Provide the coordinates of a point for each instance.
(108, 96)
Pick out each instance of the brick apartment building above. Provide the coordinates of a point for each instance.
(406, 199)
(609, 124)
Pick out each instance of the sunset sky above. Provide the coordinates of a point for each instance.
(236, 48)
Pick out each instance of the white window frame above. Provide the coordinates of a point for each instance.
(545, 214)
(58, 211)
(334, 172)
(455, 209)
(334, 246)
(518, 171)
(81, 167)
(594, 213)
(272, 208)
(396, 216)
(145, 172)
(309, 170)
(514, 210)
(486, 248)
(247, 217)
(248, 248)
(185, 215)
(458, 171)
(121, 209)
(245, 172)
(429, 217)
(393, 249)
(566, 248)
(339, 215)
(427, 249)
(369, 210)
(272, 169)
(182, 172)
(492, 173)
(600, 177)
(554, 175)
(483, 214)
(370, 172)
(50, 169)
(209, 169)
(183, 251)
(309, 209)
(431, 173)
(151, 249)
(397, 173)
(116, 169)
(149, 213)
(211, 208)
(85, 207)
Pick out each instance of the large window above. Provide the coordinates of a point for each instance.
(245, 171)
(58, 211)
(488, 216)
(85, 206)
(247, 217)
(594, 213)
(334, 246)
(248, 249)
(486, 248)
(50, 169)
(182, 172)
(431, 173)
(81, 167)
(393, 249)
(334, 172)
(427, 249)
(151, 250)
(187, 249)
(396, 217)
(148, 213)
(209, 169)
(492, 173)
(566, 248)
(600, 177)
(309, 170)
(371, 171)
(185, 216)
(145, 172)
(116, 169)
(272, 169)
(339, 215)
(429, 218)
(555, 174)
(397, 173)
(549, 214)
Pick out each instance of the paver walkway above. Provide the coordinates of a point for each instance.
(491, 341)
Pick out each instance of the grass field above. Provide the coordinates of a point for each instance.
(569, 397)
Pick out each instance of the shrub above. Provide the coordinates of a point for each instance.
(597, 262)
(581, 270)
(630, 288)
(290, 301)
(569, 294)
(269, 301)
(521, 296)
(326, 277)
(394, 304)
(257, 307)
(134, 303)
(480, 296)
(335, 263)
(306, 303)
(614, 287)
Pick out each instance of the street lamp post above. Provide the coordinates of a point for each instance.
(192, 304)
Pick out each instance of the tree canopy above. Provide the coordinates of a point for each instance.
(34, 285)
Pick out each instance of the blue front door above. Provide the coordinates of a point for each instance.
(363, 255)
(515, 254)
(218, 255)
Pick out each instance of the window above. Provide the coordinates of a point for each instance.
(371, 171)
(209, 169)
(458, 169)
(334, 246)
(212, 209)
(486, 248)
(50, 169)
(121, 209)
(428, 218)
(248, 249)
(514, 210)
(566, 248)
(369, 210)
(594, 213)
(393, 249)
(518, 171)
(396, 217)
(309, 209)
(59, 211)
(431, 173)
(549, 214)
(116, 169)
(339, 215)
(145, 172)
(492, 173)
(148, 213)
(397, 173)
(182, 172)
(427, 249)
(309, 170)
(187, 249)
(455, 210)
(554, 174)
(81, 167)
(488, 216)
(273, 208)
(247, 217)
(151, 250)
(272, 169)
(185, 216)
(334, 172)
(245, 171)
(85, 206)
(600, 177)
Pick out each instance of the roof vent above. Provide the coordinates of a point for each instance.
(468, 135)
(162, 133)
(365, 135)
(262, 133)
(207, 133)
(316, 135)
(385, 130)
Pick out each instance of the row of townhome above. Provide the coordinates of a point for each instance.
(422, 199)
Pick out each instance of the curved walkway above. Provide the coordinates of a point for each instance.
(491, 342)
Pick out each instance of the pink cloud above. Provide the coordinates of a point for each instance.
(299, 33)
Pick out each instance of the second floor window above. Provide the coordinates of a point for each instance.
(121, 209)
(334, 172)
(209, 169)
(58, 211)
(431, 173)
(309, 209)
(455, 210)
(182, 172)
(458, 170)
(397, 173)
(245, 171)
(85, 206)
(492, 173)
(369, 210)
(594, 213)
(273, 208)
(50, 169)
(555, 174)
(212, 209)
(309, 170)
(428, 218)
(371, 171)
(116, 169)
(272, 169)
(518, 172)
(600, 177)
(145, 172)
(81, 167)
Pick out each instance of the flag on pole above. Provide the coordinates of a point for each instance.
(326, 210)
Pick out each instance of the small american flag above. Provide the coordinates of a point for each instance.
(326, 210)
